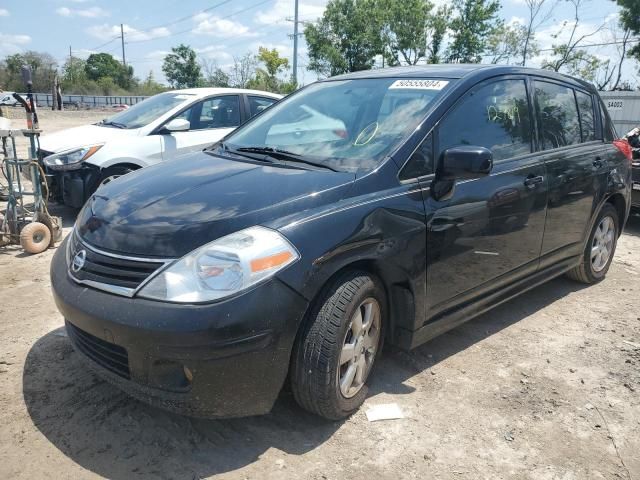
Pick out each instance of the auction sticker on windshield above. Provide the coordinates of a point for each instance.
(420, 84)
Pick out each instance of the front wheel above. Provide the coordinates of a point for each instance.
(598, 253)
(334, 355)
(111, 173)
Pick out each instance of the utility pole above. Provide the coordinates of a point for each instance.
(124, 60)
(70, 55)
(295, 44)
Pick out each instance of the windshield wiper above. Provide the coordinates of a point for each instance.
(284, 155)
(113, 124)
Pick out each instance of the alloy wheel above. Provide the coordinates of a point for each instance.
(602, 244)
(359, 348)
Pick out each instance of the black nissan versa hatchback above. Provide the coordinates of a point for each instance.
(385, 205)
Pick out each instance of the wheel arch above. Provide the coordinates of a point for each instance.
(396, 284)
(618, 201)
(123, 164)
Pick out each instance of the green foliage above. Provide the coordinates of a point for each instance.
(267, 78)
(150, 86)
(475, 21)
(43, 70)
(403, 30)
(104, 65)
(181, 68)
(213, 76)
(507, 44)
(346, 39)
(630, 20)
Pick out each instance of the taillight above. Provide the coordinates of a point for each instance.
(622, 145)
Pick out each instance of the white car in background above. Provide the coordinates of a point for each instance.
(78, 160)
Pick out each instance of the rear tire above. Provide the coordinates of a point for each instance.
(35, 237)
(336, 351)
(600, 248)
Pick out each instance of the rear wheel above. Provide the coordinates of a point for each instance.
(600, 248)
(335, 353)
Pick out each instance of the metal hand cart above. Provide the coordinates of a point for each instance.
(27, 223)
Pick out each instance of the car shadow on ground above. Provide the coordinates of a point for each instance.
(633, 224)
(108, 433)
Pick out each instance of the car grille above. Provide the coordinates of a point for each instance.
(108, 355)
(104, 270)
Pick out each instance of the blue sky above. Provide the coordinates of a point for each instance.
(218, 29)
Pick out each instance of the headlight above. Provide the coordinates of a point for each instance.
(223, 267)
(71, 159)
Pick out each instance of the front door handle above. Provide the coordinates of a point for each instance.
(533, 182)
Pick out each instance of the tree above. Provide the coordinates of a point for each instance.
(537, 17)
(213, 76)
(435, 31)
(150, 86)
(509, 42)
(568, 55)
(346, 39)
(43, 70)
(244, 68)
(181, 68)
(404, 32)
(609, 76)
(475, 22)
(630, 20)
(267, 78)
(104, 65)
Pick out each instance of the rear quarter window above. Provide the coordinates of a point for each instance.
(587, 124)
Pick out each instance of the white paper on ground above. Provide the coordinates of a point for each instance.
(385, 411)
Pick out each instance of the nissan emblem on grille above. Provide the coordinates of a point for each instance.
(78, 261)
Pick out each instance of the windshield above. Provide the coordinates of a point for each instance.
(348, 125)
(148, 110)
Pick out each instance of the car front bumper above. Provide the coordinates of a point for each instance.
(227, 359)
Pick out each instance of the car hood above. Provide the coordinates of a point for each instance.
(169, 209)
(83, 136)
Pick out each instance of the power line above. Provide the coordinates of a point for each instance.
(250, 7)
(589, 45)
(187, 17)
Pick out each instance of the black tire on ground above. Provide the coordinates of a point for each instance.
(315, 369)
(585, 272)
(35, 237)
(112, 173)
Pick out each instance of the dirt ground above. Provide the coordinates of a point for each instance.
(543, 387)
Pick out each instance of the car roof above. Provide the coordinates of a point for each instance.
(457, 71)
(205, 92)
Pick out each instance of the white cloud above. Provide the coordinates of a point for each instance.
(219, 53)
(92, 12)
(4, 12)
(215, 26)
(10, 44)
(157, 54)
(308, 10)
(107, 32)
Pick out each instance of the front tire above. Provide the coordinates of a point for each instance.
(335, 353)
(600, 248)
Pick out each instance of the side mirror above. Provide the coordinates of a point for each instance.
(177, 125)
(465, 162)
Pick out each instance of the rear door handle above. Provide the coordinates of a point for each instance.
(533, 182)
(598, 162)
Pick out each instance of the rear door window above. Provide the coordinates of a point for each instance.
(557, 114)
(495, 116)
(258, 104)
(218, 112)
(585, 107)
